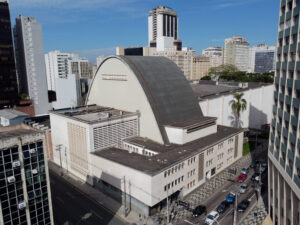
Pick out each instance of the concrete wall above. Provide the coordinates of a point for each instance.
(258, 112)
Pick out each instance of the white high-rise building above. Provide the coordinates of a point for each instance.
(236, 52)
(262, 58)
(215, 54)
(31, 62)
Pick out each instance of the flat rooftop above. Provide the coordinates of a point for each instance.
(209, 89)
(92, 113)
(168, 154)
(16, 131)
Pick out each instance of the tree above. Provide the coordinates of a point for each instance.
(206, 78)
(222, 70)
(238, 105)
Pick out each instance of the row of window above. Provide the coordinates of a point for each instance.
(173, 183)
(209, 151)
(192, 160)
(220, 156)
(230, 150)
(219, 166)
(174, 169)
(230, 140)
(191, 173)
(191, 184)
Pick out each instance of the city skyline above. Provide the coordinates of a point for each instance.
(72, 27)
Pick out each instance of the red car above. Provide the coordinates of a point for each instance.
(241, 178)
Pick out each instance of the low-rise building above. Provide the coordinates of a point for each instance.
(25, 196)
(143, 136)
(11, 117)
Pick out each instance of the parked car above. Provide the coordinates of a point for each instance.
(223, 207)
(212, 217)
(241, 178)
(255, 177)
(254, 164)
(263, 167)
(243, 188)
(245, 170)
(230, 197)
(199, 210)
(242, 206)
(184, 204)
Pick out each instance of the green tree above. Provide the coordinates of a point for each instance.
(206, 78)
(222, 70)
(238, 105)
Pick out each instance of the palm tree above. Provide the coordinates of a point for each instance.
(238, 105)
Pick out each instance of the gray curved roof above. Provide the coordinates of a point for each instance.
(168, 92)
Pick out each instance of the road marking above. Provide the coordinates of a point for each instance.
(189, 222)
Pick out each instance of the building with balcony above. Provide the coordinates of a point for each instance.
(25, 196)
(284, 144)
(142, 136)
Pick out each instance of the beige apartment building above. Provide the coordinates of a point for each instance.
(200, 67)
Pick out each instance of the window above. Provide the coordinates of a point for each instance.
(209, 151)
(220, 145)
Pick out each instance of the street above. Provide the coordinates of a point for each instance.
(71, 207)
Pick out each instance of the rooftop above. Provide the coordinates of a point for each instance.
(209, 89)
(11, 113)
(168, 154)
(16, 131)
(92, 113)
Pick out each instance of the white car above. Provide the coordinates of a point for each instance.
(211, 217)
(245, 170)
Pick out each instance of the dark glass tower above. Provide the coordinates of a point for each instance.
(8, 76)
(284, 143)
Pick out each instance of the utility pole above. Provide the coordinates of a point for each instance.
(58, 148)
(235, 209)
(168, 217)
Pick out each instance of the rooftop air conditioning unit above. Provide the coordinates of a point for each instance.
(32, 150)
(11, 179)
(34, 171)
(16, 164)
(22, 205)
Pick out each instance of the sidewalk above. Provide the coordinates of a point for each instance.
(96, 195)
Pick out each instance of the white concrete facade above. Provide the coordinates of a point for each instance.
(258, 112)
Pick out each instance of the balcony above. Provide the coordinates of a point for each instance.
(282, 162)
(289, 81)
(272, 137)
(292, 64)
(295, 31)
(294, 121)
(276, 154)
(283, 147)
(273, 123)
(281, 98)
(288, 99)
(277, 142)
(296, 103)
(288, 15)
(283, 65)
(292, 138)
(285, 132)
(274, 110)
(286, 49)
(280, 35)
(271, 148)
(281, 19)
(297, 85)
(296, 11)
(291, 155)
(277, 78)
(279, 127)
(298, 162)
(298, 63)
(297, 180)
(289, 170)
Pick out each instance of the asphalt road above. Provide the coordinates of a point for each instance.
(212, 203)
(71, 207)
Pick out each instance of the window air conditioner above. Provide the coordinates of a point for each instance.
(22, 205)
(34, 171)
(11, 179)
(16, 164)
(32, 150)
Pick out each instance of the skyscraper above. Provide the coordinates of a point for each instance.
(8, 76)
(25, 196)
(215, 53)
(236, 52)
(31, 62)
(262, 58)
(284, 142)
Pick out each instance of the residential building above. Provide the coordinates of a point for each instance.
(31, 63)
(11, 117)
(214, 99)
(215, 54)
(25, 196)
(236, 52)
(284, 144)
(8, 75)
(200, 67)
(262, 58)
(132, 140)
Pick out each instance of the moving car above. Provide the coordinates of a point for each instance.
(199, 210)
(245, 170)
(243, 188)
(230, 197)
(241, 178)
(223, 207)
(255, 177)
(243, 205)
(212, 217)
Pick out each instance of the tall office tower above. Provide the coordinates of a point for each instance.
(236, 52)
(31, 62)
(8, 76)
(284, 142)
(25, 196)
(262, 58)
(215, 53)
(163, 28)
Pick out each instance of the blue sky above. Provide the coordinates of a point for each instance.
(96, 27)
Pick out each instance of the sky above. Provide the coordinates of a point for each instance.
(95, 27)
